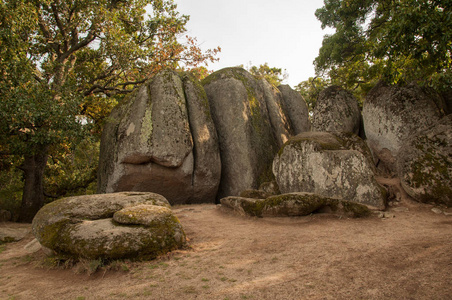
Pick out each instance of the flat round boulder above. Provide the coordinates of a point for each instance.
(109, 226)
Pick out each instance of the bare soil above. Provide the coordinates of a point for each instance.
(323, 256)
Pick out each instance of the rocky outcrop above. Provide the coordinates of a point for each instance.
(247, 135)
(330, 165)
(336, 110)
(110, 226)
(296, 109)
(392, 114)
(162, 139)
(425, 164)
(291, 205)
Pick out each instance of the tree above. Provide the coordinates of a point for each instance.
(61, 58)
(311, 88)
(274, 76)
(394, 40)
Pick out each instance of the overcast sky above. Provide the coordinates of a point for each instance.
(284, 33)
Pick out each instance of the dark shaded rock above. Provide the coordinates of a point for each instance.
(296, 109)
(247, 141)
(255, 194)
(336, 110)
(425, 164)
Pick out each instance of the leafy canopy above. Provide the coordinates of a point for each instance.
(393, 40)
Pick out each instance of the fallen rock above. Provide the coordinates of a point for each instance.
(12, 234)
(324, 164)
(392, 114)
(291, 205)
(255, 194)
(336, 109)
(162, 139)
(425, 164)
(110, 226)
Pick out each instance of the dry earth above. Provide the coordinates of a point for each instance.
(322, 256)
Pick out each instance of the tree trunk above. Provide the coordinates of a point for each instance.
(33, 193)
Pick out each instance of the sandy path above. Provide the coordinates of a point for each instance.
(321, 256)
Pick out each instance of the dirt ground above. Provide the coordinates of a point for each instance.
(323, 256)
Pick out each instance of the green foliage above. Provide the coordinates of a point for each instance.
(397, 41)
(65, 64)
(311, 88)
(275, 76)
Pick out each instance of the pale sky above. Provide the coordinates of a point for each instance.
(285, 33)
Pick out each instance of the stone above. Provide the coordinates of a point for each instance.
(392, 114)
(437, 211)
(161, 139)
(247, 140)
(109, 226)
(425, 164)
(33, 246)
(325, 164)
(291, 205)
(296, 109)
(12, 234)
(255, 194)
(336, 109)
(270, 187)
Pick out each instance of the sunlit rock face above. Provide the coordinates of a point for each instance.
(162, 139)
(296, 109)
(251, 126)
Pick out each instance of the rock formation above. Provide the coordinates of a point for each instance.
(296, 109)
(241, 107)
(425, 164)
(162, 139)
(329, 165)
(392, 114)
(336, 110)
(109, 226)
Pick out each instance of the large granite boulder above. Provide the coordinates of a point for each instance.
(162, 139)
(109, 226)
(425, 164)
(336, 109)
(248, 136)
(296, 109)
(393, 114)
(330, 165)
(291, 205)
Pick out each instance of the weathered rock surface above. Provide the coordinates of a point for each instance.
(425, 164)
(393, 114)
(162, 139)
(118, 225)
(8, 234)
(296, 109)
(336, 110)
(248, 142)
(291, 205)
(329, 165)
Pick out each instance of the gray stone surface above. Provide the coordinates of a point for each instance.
(393, 114)
(9, 234)
(148, 144)
(86, 226)
(326, 164)
(247, 141)
(336, 110)
(296, 109)
(425, 164)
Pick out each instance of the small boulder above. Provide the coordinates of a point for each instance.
(12, 234)
(110, 226)
(392, 114)
(336, 110)
(329, 165)
(425, 164)
(255, 194)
